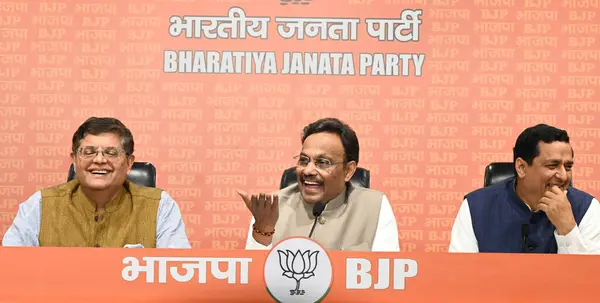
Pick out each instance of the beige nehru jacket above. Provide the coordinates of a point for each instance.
(349, 221)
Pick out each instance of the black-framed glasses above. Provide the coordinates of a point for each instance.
(320, 163)
(90, 152)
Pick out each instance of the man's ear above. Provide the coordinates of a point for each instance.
(350, 170)
(73, 159)
(521, 167)
(130, 161)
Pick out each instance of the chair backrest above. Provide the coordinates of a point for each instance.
(498, 171)
(361, 178)
(142, 173)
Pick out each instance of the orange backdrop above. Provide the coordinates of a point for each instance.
(490, 69)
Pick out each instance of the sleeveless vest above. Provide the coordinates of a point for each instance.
(69, 219)
(348, 222)
(498, 214)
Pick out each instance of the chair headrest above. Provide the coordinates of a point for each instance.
(361, 178)
(142, 173)
(497, 172)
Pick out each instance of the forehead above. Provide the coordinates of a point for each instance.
(105, 139)
(555, 151)
(323, 144)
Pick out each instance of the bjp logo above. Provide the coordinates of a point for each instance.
(298, 266)
(298, 270)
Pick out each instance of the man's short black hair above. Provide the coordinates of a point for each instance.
(333, 125)
(97, 126)
(527, 146)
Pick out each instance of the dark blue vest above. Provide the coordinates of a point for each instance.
(498, 214)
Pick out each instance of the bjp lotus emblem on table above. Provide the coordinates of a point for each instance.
(298, 266)
(298, 270)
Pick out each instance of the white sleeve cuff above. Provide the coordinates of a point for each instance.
(571, 243)
(251, 244)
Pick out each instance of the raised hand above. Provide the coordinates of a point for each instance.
(265, 210)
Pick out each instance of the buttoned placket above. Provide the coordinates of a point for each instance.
(98, 225)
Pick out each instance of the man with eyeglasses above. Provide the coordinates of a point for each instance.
(100, 207)
(354, 218)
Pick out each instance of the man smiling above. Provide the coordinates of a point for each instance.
(536, 212)
(100, 208)
(354, 218)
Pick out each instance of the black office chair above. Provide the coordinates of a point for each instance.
(497, 172)
(361, 178)
(142, 173)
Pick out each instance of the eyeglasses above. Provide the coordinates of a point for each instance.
(321, 163)
(90, 152)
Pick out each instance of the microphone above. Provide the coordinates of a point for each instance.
(317, 210)
(524, 235)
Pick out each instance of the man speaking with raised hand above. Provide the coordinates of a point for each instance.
(323, 204)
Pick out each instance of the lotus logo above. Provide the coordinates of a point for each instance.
(298, 270)
(298, 266)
